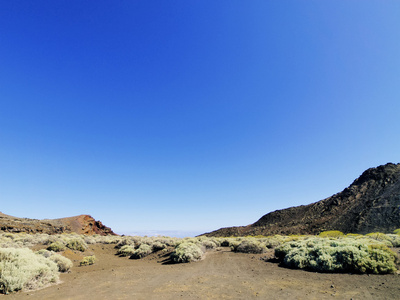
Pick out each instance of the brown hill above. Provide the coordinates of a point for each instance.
(371, 203)
(83, 224)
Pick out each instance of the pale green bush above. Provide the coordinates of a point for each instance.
(381, 237)
(249, 245)
(209, 244)
(344, 255)
(64, 264)
(126, 250)
(272, 242)
(187, 252)
(23, 269)
(394, 239)
(331, 234)
(77, 244)
(157, 246)
(56, 247)
(125, 241)
(397, 231)
(142, 251)
(88, 260)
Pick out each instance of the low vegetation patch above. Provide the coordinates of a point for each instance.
(187, 252)
(56, 247)
(331, 234)
(64, 264)
(142, 251)
(344, 255)
(22, 269)
(77, 244)
(249, 245)
(88, 260)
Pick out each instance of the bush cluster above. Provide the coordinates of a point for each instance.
(331, 234)
(142, 251)
(187, 252)
(23, 269)
(64, 264)
(249, 245)
(343, 255)
(88, 260)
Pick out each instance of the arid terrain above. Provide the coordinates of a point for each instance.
(369, 204)
(222, 274)
(82, 224)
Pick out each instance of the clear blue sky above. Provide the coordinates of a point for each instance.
(192, 115)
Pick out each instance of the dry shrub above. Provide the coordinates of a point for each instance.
(126, 250)
(331, 234)
(142, 251)
(22, 269)
(64, 264)
(344, 255)
(249, 245)
(56, 247)
(88, 260)
(187, 252)
(77, 244)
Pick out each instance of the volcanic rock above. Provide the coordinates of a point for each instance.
(370, 204)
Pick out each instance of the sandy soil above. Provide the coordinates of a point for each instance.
(221, 275)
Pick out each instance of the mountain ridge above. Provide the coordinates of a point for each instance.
(81, 224)
(371, 203)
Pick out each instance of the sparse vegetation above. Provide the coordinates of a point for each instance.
(64, 264)
(88, 260)
(126, 250)
(142, 251)
(77, 244)
(250, 245)
(345, 255)
(23, 269)
(187, 252)
(331, 234)
(56, 247)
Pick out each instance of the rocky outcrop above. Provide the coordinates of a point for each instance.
(83, 224)
(371, 203)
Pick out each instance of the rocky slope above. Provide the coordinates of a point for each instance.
(371, 203)
(83, 224)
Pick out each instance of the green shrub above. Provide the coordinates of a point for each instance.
(397, 231)
(88, 260)
(381, 237)
(272, 242)
(56, 247)
(345, 255)
(331, 234)
(124, 242)
(186, 252)
(394, 239)
(77, 244)
(209, 244)
(157, 246)
(126, 250)
(64, 264)
(142, 251)
(23, 269)
(249, 246)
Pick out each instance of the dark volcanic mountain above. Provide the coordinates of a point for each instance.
(370, 204)
(83, 224)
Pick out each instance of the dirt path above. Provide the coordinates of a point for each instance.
(221, 275)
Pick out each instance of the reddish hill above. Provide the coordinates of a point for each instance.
(83, 224)
(371, 203)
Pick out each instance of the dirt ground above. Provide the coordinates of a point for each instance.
(221, 275)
